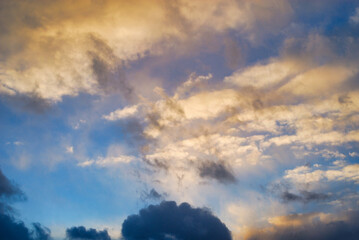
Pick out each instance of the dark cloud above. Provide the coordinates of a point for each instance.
(31, 103)
(7, 188)
(151, 195)
(304, 196)
(81, 233)
(283, 191)
(40, 232)
(8, 192)
(109, 69)
(10, 228)
(343, 230)
(157, 164)
(216, 171)
(169, 221)
(133, 131)
(154, 194)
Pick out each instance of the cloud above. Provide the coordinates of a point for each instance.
(217, 171)
(267, 75)
(122, 113)
(108, 161)
(13, 229)
(81, 233)
(116, 155)
(169, 221)
(40, 232)
(69, 149)
(305, 174)
(304, 196)
(346, 229)
(7, 189)
(152, 195)
(237, 123)
(85, 47)
(355, 17)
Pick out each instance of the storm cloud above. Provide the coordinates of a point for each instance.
(169, 221)
(81, 233)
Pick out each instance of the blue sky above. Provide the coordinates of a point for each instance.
(248, 108)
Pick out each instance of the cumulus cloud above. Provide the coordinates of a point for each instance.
(81, 233)
(169, 221)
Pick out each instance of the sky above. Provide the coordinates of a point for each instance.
(181, 119)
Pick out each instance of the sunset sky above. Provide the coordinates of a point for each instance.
(231, 117)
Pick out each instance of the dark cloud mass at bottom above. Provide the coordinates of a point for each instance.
(81, 233)
(10, 228)
(336, 230)
(169, 221)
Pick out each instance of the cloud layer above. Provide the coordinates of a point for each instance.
(346, 229)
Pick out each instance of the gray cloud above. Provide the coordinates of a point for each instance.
(217, 171)
(345, 230)
(81, 233)
(31, 103)
(152, 195)
(8, 189)
(109, 69)
(304, 196)
(169, 221)
(40, 232)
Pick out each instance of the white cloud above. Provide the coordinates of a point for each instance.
(122, 113)
(337, 172)
(108, 161)
(266, 75)
(70, 149)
